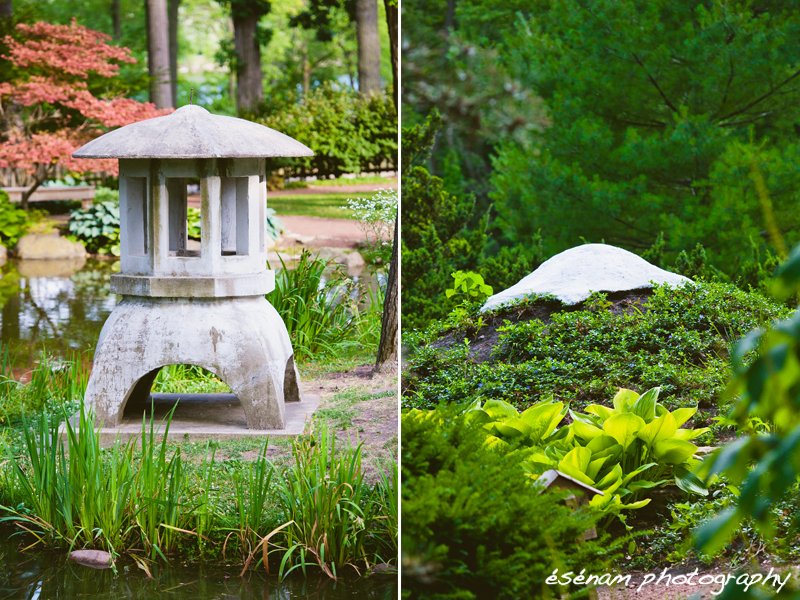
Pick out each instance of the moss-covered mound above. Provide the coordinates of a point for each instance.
(676, 338)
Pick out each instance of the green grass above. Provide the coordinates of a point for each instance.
(371, 179)
(314, 205)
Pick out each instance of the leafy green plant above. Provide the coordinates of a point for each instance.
(14, 222)
(472, 287)
(348, 132)
(319, 312)
(98, 226)
(623, 450)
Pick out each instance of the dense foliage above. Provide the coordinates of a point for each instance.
(13, 221)
(764, 463)
(319, 306)
(651, 126)
(624, 450)
(142, 497)
(679, 340)
(682, 108)
(348, 132)
(436, 240)
(463, 535)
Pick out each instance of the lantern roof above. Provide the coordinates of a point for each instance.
(193, 132)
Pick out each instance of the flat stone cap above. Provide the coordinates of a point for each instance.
(193, 132)
(575, 274)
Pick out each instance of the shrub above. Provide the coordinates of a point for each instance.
(473, 524)
(348, 132)
(13, 221)
(678, 340)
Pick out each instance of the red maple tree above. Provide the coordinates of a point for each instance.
(48, 111)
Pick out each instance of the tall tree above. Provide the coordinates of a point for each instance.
(393, 25)
(369, 46)
(320, 16)
(115, 22)
(246, 60)
(158, 53)
(173, 7)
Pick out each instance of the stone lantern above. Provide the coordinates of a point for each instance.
(206, 306)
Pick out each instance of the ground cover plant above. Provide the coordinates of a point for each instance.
(678, 339)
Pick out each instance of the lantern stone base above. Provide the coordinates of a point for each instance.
(200, 417)
(243, 341)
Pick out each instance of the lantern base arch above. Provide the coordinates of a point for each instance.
(243, 341)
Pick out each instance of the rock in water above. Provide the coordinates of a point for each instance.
(97, 559)
(42, 246)
(575, 274)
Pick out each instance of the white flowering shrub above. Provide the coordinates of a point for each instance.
(376, 217)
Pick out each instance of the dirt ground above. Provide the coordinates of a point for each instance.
(361, 408)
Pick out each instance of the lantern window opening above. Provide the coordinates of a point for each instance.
(235, 216)
(178, 219)
(136, 217)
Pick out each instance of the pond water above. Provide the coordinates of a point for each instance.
(59, 307)
(41, 574)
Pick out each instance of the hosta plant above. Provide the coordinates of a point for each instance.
(622, 450)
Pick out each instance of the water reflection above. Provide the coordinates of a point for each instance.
(42, 574)
(59, 306)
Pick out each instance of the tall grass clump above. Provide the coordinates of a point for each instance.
(330, 508)
(320, 312)
(74, 494)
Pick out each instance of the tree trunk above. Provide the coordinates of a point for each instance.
(158, 53)
(369, 46)
(393, 22)
(173, 49)
(115, 20)
(450, 18)
(6, 9)
(306, 70)
(387, 347)
(249, 89)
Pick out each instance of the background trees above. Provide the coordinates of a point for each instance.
(600, 120)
